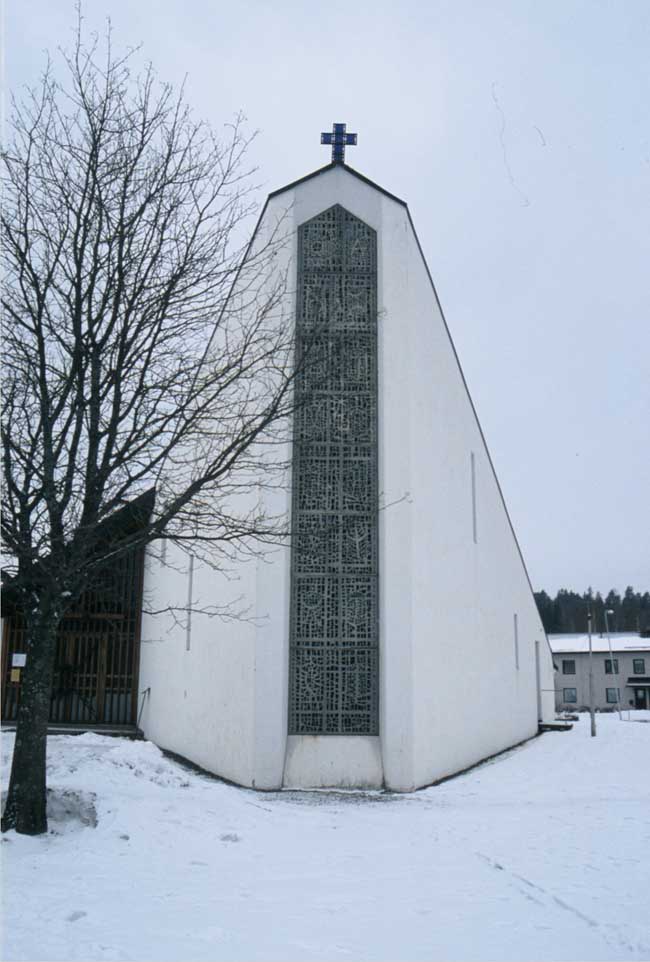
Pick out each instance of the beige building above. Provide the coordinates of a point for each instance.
(625, 677)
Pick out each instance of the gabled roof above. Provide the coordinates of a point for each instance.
(350, 170)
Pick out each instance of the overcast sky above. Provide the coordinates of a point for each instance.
(518, 131)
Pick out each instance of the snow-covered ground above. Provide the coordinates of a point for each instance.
(543, 853)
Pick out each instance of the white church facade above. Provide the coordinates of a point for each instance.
(396, 640)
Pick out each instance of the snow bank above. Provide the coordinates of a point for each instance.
(539, 854)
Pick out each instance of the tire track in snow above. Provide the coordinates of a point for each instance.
(618, 940)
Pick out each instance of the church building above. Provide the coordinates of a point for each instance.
(395, 640)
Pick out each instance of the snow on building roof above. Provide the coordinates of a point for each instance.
(579, 643)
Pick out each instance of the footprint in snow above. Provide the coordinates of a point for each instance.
(230, 837)
(75, 916)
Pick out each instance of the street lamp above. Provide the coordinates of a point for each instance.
(591, 681)
(609, 611)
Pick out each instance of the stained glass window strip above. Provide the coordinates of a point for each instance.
(334, 569)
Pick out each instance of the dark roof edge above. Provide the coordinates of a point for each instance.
(129, 517)
(350, 170)
(476, 417)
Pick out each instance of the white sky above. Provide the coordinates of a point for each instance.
(518, 132)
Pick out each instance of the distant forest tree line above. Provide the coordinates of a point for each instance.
(567, 612)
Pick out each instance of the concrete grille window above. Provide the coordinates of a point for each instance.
(638, 666)
(570, 696)
(608, 666)
(612, 696)
(333, 684)
(568, 667)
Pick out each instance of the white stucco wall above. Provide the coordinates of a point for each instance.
(450, 691)
(200, 703)
(470, 699)
(223, 703)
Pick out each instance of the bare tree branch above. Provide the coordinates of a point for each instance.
(145, 345)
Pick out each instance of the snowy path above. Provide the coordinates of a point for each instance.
(543, 853)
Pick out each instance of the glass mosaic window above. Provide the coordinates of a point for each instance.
(333, 683)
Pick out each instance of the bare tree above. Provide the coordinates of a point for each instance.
(127, 364)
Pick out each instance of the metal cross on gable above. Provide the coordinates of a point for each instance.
(339, 139)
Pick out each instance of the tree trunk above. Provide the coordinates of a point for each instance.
(25, 809)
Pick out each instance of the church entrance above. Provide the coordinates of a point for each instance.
(95, 681)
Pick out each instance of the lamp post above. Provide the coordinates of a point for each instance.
(609, 611)
(591, 681)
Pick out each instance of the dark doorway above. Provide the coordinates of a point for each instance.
(95, 680)
(640, 698)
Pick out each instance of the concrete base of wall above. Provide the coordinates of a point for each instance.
(331, 761)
